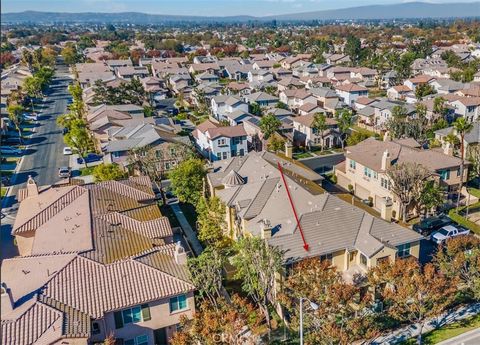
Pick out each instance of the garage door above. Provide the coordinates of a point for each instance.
(343, 181)
(361, 192)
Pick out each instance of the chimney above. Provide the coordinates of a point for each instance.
(386, 161)
(386, 209)
(180, 255)
(386, 136)
(7, 300)
(288, 149)
(32, 188)
(448, 149)
(266, 229)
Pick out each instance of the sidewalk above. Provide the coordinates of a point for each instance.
(187, 229)
(413, 330)
(469, 338)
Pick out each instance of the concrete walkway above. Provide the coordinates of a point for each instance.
(412, 331)
(187, 229)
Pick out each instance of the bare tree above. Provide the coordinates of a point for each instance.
(407, 183)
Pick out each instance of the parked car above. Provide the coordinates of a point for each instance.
(67, 151)
(9, 150)
(32, 116)
(90, 158)
(431, 224)
(64, 172)
(447, 232)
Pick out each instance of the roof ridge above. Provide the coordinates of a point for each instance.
(76, 189)
(163, 272)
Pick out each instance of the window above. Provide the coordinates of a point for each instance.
(159, 154)
(458, 171)
(233, 153)
(178, 303)
(403, 250)
(363, 259)
(140, 340)
(132, 315)
(242, 152)
(116, 154)
(95, 328)
(327, 257)
(444, 174)
(367, 172)
(219, 156)
(375, 175)
(385, 183)
(353, 164)
(221, 142)
(225, 155)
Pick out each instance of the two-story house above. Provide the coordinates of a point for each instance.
(348, 93)
(366, 164)
(305, 134)
(263, 99)
(467, 107)
(257, 204)
(217, 142)
(224, 104)
(95, 260)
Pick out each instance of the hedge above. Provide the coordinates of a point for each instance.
(464, 221)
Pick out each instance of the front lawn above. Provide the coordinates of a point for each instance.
(474, 192)
(3, 191)
(448, 331)
(460, 219)
(302, 155)
(86, 171)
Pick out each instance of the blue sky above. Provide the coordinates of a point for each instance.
(191, 7)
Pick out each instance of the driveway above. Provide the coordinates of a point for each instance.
(43, 156)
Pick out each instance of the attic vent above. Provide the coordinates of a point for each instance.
(337, 208)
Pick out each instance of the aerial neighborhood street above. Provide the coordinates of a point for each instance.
(240, 172)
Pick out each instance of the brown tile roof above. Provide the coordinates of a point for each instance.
(307, 120)
(229, 131)
(402, 88)
(94, 288)
(469, 101)
(364, 100)
(421, 79)
(155, 228)
(350, 87)
(370, 151)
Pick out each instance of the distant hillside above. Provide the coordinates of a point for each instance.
(403, 10)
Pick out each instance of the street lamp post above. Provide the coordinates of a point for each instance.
(314, 306)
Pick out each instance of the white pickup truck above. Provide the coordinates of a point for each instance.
(447, 232)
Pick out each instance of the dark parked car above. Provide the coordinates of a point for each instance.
(90, 158)
(429, 225)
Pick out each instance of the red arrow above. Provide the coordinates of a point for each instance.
(305, 244)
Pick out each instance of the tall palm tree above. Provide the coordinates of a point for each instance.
(462, 127)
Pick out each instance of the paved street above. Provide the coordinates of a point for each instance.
(44, 154)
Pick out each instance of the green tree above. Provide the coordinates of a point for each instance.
(356, 137)
(353, 48)
(206, 273)
(187, 180)
(345, 121)
(108, 172)
(461, 127)
(423, 90)
(15, 114)
(211, 221)
(258, 265)
(269, 124)
(256, 109)
(78, 138)
(32, 86)
(319, 126)
(431, 197)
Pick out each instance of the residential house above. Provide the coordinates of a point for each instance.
(263, 99)
(129, 72)
(219, 143)
(108, 238)
(257, 204)
(421, 79)
(348, 93)
(398, 92)
(304, 133)
(471, 138)
(224, 104)
(467, 107)
(365, 169)
(206, 77)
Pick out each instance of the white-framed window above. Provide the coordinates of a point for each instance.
(327, 257)
(385, 183)
(178, 303)
(403, 250)
(363, 259)
(225, 155)
(140, 340)
(367, 172)
(116, 154)
(221, 141)
(353, 164)
(219, 156)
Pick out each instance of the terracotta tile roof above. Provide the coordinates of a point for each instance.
(402, 88)
(38, 322)
(307, 120)
(94, 288)
(156, 228)
(49, 211)
(229, 131)
(470, 101)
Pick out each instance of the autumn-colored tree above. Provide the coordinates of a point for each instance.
(412, 293)
(226, 323)
(342, 314)
(459, 258)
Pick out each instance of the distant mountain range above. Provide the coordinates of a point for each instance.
(407, 10)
